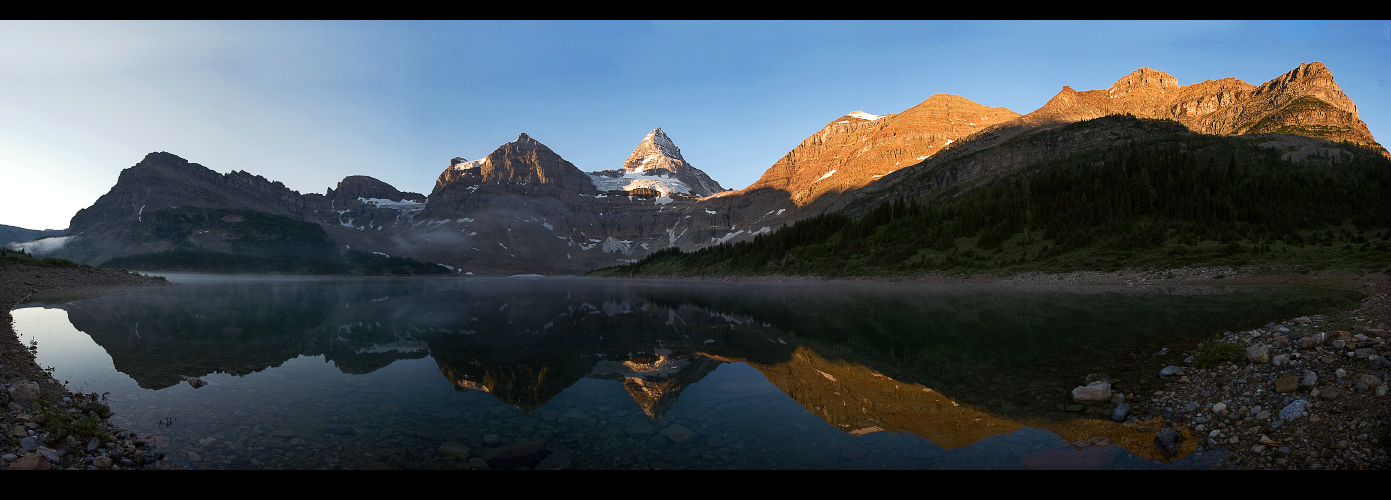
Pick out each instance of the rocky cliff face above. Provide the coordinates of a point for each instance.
(859, 148)
(1305, 101)
(522, 209)
(521, 162)
(1304, 104)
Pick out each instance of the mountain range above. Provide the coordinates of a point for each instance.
(524, 209)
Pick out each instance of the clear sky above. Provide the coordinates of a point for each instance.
(307, 103)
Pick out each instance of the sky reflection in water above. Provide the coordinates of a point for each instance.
(309, 373)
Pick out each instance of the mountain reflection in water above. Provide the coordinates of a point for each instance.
(952, 364)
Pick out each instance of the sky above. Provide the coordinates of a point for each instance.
(308, 103)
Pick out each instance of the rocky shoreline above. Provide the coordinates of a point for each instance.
(44, 425)
(1308, 392)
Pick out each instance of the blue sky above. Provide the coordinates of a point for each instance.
(307, 103)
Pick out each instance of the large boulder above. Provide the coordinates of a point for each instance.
(1167, 441)
(1098, 392)
(1258, 353)
(23, 391)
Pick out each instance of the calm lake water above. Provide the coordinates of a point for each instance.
(308, 373)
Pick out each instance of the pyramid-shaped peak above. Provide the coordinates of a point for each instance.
(523, 143)
(1143, 77)
(657, 141)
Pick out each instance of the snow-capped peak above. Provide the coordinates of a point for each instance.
(663, 143)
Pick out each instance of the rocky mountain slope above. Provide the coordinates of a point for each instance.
(12, 234)
(859, 148)
(1304, 109)
(523, 208)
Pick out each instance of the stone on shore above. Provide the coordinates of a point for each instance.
(1098, 392)
(30, 461)
(1167, 441)
(1310, 378)
(1371, 380)
(23, 391)
(1121, 411)
(1170, 371)
(1287, 383)
(1258, 353)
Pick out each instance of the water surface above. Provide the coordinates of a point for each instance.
(343, 373)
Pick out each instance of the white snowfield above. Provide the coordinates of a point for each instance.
(634, 180)
(468, 165)
(824, 177)
(396, 205)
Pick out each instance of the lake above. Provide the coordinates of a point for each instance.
(308, 373)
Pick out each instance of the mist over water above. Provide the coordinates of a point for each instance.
(342, 373)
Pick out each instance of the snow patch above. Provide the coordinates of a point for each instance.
(727, 237)
(828, 174)
(469, 165)
(392, 204)
(612, 245)
(865, 116)
(634, 180)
